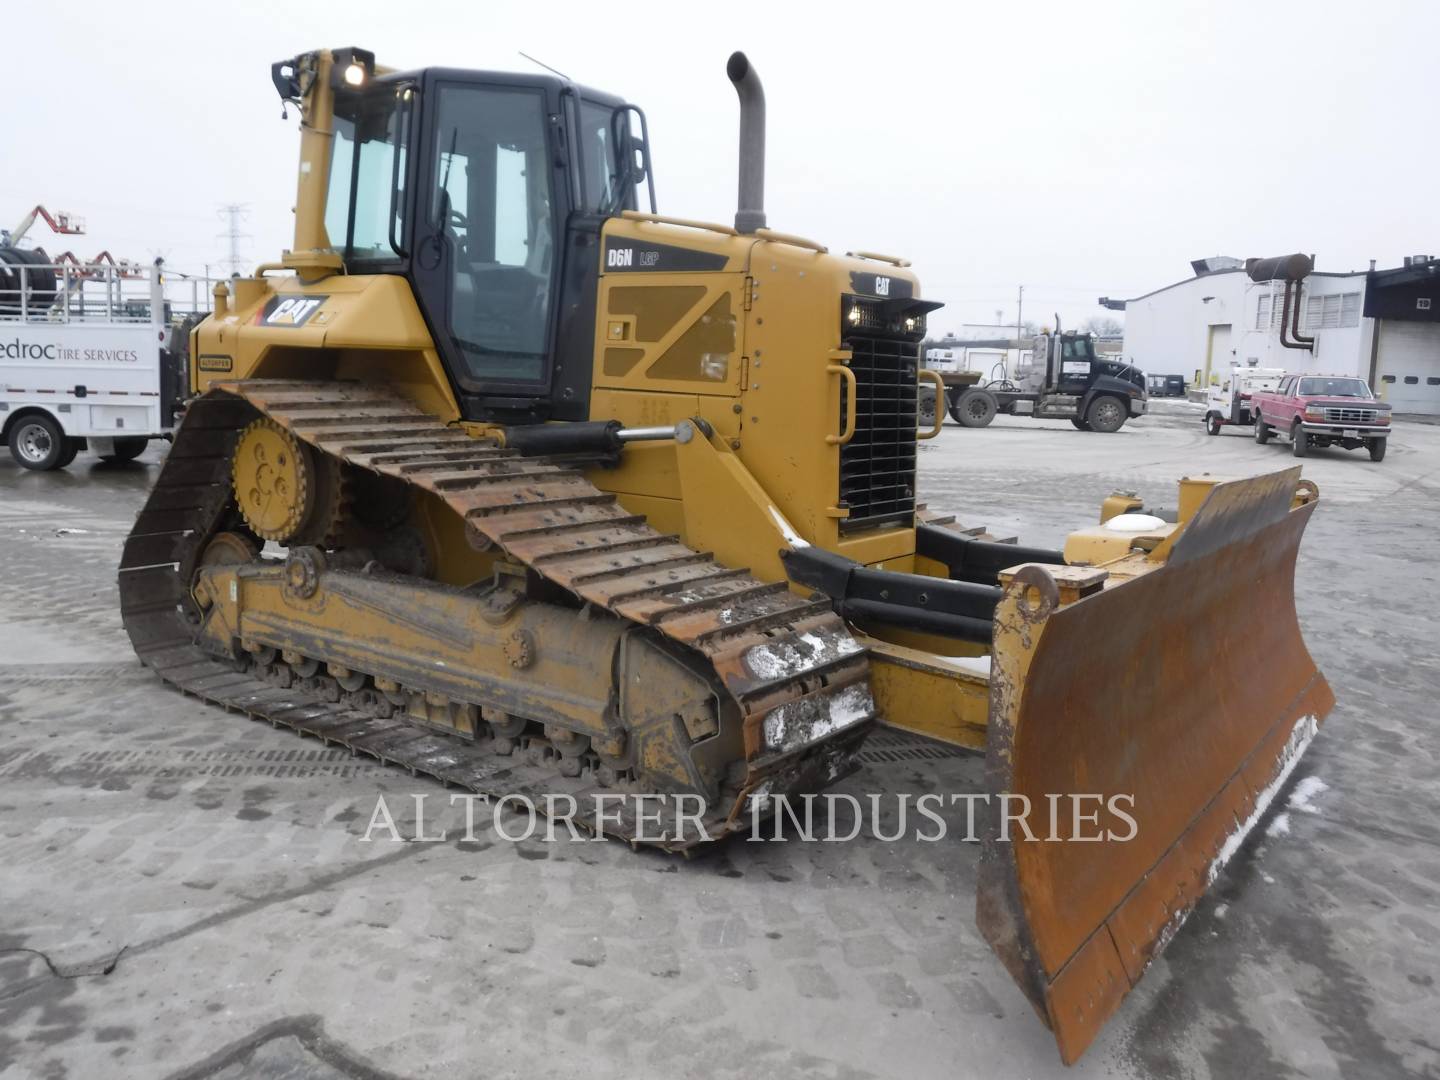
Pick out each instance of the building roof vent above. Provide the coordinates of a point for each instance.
(1214, 264)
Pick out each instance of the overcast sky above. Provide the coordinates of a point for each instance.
(1080, 149)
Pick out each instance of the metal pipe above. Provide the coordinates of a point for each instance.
(1301, 341)
(1291, 269)
(750, 215)
(1282, 267)
(646, 434)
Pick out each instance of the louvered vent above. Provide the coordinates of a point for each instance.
(877, 466)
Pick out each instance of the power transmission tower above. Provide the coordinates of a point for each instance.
(233, 214)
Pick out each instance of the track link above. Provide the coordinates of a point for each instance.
(779, 656)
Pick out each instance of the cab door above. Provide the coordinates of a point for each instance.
(489, 212)
(1075, 366)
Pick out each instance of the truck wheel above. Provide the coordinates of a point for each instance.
(1262, 431)
(1299, 441)
(72, 448)
(1079, 423)
(37, 443)
(1212, 424)
(976, 408)
(126, 449)
(1106, 414)
(1377, 449)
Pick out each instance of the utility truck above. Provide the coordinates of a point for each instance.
(1232, 402)
(92, 356)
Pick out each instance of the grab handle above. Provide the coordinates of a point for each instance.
(849, 432)
(934, 377)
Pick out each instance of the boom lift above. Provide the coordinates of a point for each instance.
(578, 498)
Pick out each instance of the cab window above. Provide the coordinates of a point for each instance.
(367, 160)
(493, 202)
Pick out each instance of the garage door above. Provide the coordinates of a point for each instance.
(1408, 366)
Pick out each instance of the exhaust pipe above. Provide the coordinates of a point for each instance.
(750, 215)
(1293, 270)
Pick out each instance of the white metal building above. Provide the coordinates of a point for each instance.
(1382, 325)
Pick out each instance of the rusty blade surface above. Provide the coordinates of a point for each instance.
(1187, 693)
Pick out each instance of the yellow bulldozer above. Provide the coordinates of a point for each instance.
(502, 479)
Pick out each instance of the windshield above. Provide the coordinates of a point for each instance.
(492, 200)
(364, 172)
(1321, 387)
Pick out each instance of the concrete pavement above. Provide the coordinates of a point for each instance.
(185, 892)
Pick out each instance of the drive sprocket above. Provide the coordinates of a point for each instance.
(286, 490)
(271, 475)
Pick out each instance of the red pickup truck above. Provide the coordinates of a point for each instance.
(1323, 410)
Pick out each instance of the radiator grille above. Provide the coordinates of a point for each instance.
(877, 466)
(1341, 415)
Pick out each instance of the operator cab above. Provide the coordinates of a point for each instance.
(488, 192)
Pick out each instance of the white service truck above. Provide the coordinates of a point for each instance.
(1229, 403)
(87, 362)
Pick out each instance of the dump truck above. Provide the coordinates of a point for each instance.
(497, 477)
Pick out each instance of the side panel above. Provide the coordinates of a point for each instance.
(363, 327)
(93, 378)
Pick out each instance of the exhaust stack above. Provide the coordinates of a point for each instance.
(750, 215)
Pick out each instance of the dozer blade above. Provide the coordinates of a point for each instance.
(1184, 696)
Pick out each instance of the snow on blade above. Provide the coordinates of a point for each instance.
(1295, 747)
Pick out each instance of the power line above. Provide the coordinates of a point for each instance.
(233, 214)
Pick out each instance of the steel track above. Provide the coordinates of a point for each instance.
(769, 649)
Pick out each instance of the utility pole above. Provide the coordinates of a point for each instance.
(1020, 315)
(233, 214)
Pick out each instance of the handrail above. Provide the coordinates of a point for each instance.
(850, 407)
(686, 223)
(874, 256)
(794, 241)
(66, 290)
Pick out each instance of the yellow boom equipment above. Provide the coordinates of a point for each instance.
(565, 497)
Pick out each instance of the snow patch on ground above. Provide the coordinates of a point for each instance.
(1280, 826)
(1305, 791)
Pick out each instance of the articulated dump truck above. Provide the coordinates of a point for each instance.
(500, 479)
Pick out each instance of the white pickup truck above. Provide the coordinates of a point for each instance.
(88, 360)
